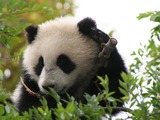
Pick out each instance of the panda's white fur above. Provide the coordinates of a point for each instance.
(51, 41)
(53, 38)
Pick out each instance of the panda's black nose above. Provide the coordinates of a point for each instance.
(47, 87)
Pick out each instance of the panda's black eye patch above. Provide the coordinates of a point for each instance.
(38, 68)
(65, 64)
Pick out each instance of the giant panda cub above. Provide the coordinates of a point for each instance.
(62, 54)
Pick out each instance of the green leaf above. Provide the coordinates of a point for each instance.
(1, 110)
(109, 94)
(54, 94)
(133, 53)
(123, 85)
(104, 83)
(7, 109)
(111, 99)
(155, 17)
(125, 98)
(123, 91)
(144, 15)
(40, 110)
(71, 107)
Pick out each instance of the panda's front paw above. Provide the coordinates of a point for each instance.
(104, 55)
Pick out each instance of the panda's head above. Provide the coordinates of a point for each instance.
(61, 53)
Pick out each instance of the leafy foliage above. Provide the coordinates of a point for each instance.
(11, 25)
(73, 111)
(146, 72)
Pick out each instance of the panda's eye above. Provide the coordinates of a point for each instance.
(38, 68)
(65, 64)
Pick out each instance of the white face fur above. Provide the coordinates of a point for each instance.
(58, 42)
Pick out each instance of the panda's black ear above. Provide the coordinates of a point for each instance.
(31, 32)
(88, 27)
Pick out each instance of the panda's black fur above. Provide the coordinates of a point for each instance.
(87, 27)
